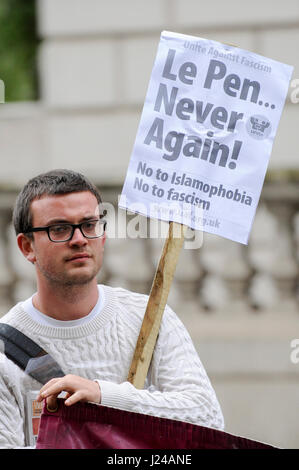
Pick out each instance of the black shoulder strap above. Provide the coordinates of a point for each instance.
(28, 355)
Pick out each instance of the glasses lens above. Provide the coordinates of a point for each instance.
(60, 233)
(93, 229)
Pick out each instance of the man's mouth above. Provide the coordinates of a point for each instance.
(79, 257)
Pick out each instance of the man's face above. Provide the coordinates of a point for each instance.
(73, 262)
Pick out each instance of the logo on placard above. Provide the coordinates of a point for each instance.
(258, 127)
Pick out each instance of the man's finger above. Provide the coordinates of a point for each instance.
(45, 388)
(52, 403)
(52, 388)
(77, 396)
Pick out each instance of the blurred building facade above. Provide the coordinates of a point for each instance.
(239, 303)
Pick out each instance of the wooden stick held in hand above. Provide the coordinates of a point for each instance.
(156, 305)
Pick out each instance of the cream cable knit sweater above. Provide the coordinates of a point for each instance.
(177, 385)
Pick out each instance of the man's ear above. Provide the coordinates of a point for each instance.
(25, 245)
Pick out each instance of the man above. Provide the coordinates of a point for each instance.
(91, 330)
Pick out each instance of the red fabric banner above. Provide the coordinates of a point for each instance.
(88, 426)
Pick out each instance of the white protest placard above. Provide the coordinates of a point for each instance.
(205, 136)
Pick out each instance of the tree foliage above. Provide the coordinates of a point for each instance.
(18, 47)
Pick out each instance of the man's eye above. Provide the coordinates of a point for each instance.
(58, 229)
(89, 225)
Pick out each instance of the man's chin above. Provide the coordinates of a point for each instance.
(76, 278)
(79, 278)
(76, 275)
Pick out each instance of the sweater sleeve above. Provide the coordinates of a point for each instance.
(178, 386)
(11, 420)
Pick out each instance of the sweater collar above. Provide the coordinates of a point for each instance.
(21, 320)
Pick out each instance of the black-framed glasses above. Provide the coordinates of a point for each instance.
(64, 232)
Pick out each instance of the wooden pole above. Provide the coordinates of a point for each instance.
(156, 305)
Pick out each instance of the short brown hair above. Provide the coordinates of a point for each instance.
(51, 183)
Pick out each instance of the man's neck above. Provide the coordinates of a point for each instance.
(66, 302)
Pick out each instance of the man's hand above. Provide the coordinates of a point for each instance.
(76, 388)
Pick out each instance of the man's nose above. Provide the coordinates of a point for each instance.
(78, 238)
